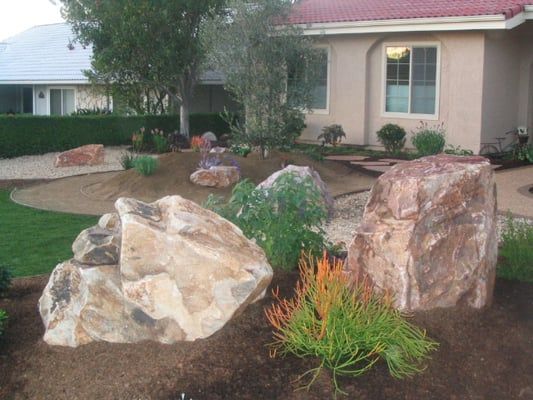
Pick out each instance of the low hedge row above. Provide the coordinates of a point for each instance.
(27, 135)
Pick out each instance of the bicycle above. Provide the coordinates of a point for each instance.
(497, 149)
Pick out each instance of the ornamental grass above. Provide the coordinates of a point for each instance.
(344, 324)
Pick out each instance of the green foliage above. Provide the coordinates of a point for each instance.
(3, 320)
(332, 134)
(524, 153)
(284, 220)
(160, 141)
(392, 137)
(347, 327)
(240, 149)
(5, 279)
(51, 236)
(458, 151)
(429, 140)
(145, 49)
(92, 111)
(516, 252)
(27, 135)
(251, 52)
(127, 160)
(145, 165)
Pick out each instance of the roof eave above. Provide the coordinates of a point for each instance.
(478, 22)
(43, 82)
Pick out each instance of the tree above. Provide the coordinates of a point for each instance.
(270, 68)
(151, 46)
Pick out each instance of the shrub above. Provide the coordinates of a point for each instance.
(429, 140)
(160, 141)
(28, 134)
(138, 140)
(332, 134)
(5, 279)
(524, 153)
(283, 219)
(348, 328)
(127, 160)
(197, 142)
(392, 137)
(240, 149)
(208, 159)
(145, 165)
(458, 151)
(3, 320)
(516, 252)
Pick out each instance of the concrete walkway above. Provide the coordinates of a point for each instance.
(513, 191)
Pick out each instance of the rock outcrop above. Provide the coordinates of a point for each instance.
(428, 234)
(91, 154)
(166, 271)
(219, 176)
(301, 173)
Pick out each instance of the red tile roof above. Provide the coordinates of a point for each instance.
(322, 11)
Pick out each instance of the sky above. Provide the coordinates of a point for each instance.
(18, 15)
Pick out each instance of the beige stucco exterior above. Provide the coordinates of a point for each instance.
(484, 88)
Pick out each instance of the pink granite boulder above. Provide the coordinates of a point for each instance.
(91, 154)
(219, 176)
(428, 234)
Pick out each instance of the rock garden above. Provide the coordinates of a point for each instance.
(214, 276)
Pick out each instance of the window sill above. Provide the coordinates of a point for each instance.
(427, 117)
(317, 111)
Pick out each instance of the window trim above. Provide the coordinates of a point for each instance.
(49, 88)
(409, 115)
(323, 111)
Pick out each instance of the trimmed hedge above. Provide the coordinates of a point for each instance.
(27, 135)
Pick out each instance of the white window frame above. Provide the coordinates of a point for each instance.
(61, 88)
(409, 115)
(324, 111)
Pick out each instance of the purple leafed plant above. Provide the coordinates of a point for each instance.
(207, 159)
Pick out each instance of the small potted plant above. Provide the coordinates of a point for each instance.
(523, 135)
(332, 134)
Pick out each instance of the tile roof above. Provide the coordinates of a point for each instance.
(41, 54)
(323, 11)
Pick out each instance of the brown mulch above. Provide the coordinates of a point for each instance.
(485, 354)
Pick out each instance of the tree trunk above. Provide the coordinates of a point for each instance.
(184, 117)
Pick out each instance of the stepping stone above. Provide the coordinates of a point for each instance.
(379, 168)
(369, 163)
(346, 158)
(393, 160)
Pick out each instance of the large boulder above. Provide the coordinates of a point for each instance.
(181, 274)
(91, 154)
(219, 176)
(301, 173)
(428, 234)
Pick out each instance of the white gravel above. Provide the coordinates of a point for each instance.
(42, 166)
(348, 213)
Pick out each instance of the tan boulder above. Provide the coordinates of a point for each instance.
(428, 234)
(219, 176)
(301, 173)
(97, 246)
(91, 154)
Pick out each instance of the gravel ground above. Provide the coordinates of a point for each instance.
(42, 166)
(349, 212)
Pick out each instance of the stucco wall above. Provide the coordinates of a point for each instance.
(356, 80)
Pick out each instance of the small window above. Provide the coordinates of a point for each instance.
(411, 80)
(61, 101)
(320, 85)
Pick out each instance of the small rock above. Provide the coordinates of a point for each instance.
(219, 176)
(210, 136)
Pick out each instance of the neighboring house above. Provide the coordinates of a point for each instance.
(41, 73)
(465, 63)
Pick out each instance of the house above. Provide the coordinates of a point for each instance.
(465, 63)
(41, 73)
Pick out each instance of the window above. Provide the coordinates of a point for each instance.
(320, 85)
(411, 79)
(61, 101)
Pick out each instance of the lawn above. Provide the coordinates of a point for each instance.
(33, 241)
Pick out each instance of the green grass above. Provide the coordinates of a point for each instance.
(516, 252)
(32, 242)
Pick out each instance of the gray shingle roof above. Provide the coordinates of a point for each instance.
(41, 54)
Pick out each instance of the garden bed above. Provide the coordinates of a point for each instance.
(483, 355)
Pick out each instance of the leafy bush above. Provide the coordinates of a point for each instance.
(392, 137)
(138, 140)
(3, 320)
(5, 279)
(524, 153)
(348, 328)
(240, 149)
(28, 134)
(92, 111)
(283, 219)
(516, 252)
(197, 142)
(458, 151)
(429, 140)
(208, 159)
(332, 134)
(127, 160)
(145, 165)
(160, 141)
